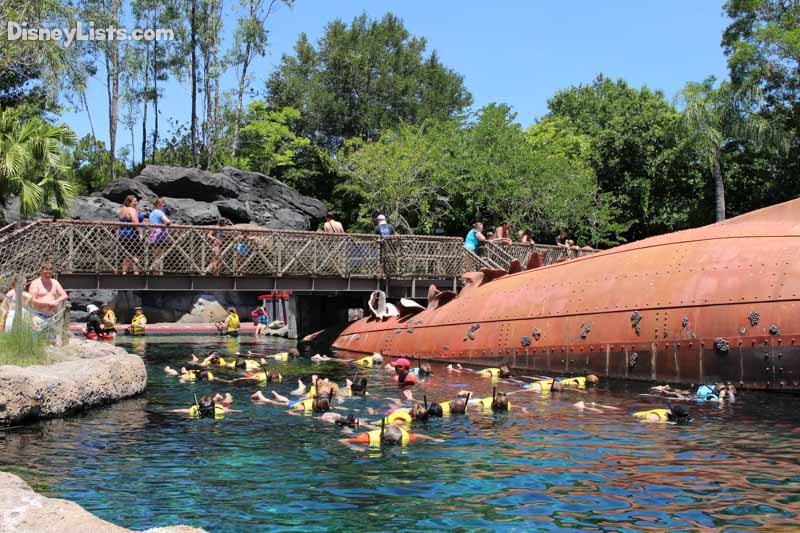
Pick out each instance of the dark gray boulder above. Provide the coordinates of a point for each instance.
(95, 208)
(200, 197)
(179, 182)
(192, 212)
(118, 190)
(234, 210)
(287, 219)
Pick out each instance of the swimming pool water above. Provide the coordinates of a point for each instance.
(735, 467)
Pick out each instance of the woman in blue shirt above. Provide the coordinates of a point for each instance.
(158, 235)
(474, 237)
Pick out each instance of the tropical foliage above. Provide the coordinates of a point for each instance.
(33, 163)
(369, 119)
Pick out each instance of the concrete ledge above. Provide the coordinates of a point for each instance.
(84, 374)
(21, 509)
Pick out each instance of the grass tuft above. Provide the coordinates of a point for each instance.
(22, 346)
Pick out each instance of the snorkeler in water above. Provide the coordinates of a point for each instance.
(404, 416)
(192, 375)
(455, 407)
(316, 405)
(206, 407)
(389, 435)
(593, 407)
(676, 414)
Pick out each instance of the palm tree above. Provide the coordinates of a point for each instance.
(33, 165)
(715, 119)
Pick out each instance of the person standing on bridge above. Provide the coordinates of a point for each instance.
(158, 235)
(332, 225)
(130, 235)
(475, 237)
(384, 229)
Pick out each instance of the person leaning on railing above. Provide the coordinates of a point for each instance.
(158, 235)
(474, 237)
(130, 235)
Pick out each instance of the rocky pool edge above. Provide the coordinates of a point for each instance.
(80, 375)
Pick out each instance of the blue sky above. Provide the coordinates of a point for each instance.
(516, 52)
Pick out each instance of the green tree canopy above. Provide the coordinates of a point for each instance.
(267, 141)
(363, 79)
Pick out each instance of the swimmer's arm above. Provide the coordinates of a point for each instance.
(226, 410)
(426, 437)
(184, 411)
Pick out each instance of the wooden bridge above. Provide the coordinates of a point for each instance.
(91, 255)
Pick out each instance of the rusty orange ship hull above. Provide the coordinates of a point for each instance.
(716, 303)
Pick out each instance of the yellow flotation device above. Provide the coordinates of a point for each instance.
(663, 414)
(489, 373)
(375, 437)
(544, 384)
(447, 407)
(486, 403)
(305, 405)
(191, 375)
(280, 356)
(138, 323)
(250, 365)
(404, 415)
(110, 319)
(365, 361)
(579, 382)
(219, 412)
(262, 378)
(233, 323)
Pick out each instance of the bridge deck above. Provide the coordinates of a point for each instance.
(90, 254)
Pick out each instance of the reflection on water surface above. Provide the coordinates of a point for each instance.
(551, 467)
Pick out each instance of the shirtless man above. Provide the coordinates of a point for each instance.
(46, 293)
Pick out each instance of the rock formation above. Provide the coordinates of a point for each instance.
(200, 197)
(21, 509)
(70, 383)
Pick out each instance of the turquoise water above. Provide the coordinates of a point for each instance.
(552, 467)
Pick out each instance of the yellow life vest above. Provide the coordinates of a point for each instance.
(366, 361)
(305, 405)
(262, 378)
(447, 407)
(544, 385)
(191, 375)
(110, 318)
(486, 403)
(312, 392)
(579, 382)
(661, 413)
(489, 373)
(219, 412)
(233, 323)
(403, 415)
(250, 365)
(137, 324)
(375, 437)
(281, 356)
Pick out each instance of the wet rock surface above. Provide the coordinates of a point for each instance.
(199, 197)
(82, 374)
(22, 509)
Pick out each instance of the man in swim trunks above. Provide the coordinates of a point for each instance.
(47, 294)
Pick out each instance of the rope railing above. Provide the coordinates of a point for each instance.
(86, 247)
